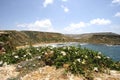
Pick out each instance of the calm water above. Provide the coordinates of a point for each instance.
(112, 51)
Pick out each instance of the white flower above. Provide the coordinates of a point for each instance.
(5, 64)
(63, 53)
(86, 56)
(37, 48)
(78, 60)
(16, 56)
(24, 56)
(95, 69)
(1, 62)
(39, 57)
(99, 57)
(13, 53)
(26, 59)
(34, 65)
(68, 47)
(46, 53)
(74, 63)
(83, 62)
(29, 53)
(75, 52)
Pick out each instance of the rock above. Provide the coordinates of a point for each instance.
(97, 78)
(7, 72)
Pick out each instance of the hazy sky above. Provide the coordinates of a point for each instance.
(65, 16)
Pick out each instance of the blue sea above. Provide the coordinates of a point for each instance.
(112, 51)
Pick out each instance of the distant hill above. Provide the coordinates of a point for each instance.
(19, 38)
(102, 38)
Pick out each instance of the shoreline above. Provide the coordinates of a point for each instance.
(52, 43)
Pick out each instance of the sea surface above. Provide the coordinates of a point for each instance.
(112, 51)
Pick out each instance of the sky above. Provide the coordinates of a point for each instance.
(63, 16)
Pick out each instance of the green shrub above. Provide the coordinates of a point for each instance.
(77, 60)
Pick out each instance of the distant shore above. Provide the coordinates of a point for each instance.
(54, 43)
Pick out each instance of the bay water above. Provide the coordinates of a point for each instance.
(112, 51)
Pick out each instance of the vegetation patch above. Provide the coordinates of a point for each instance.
(76, 60)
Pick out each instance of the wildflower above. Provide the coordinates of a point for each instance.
(5, 64)
(63, 53)
(86, 56)
(29, 53)
(42, 52)
(34, 65)
(37, 48)
(75, 52)
(68, 47)
(83, 62)
(99, 57)
(13, 53)
(26, 59)
(39, 57)
(46, 53)
(74, 63)
(24, 56)
(78, 60)
(95, 69)
(16, 56)
(1, 62)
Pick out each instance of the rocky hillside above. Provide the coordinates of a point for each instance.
(104, 38)
(19, 38)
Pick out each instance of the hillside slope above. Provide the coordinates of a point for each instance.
(101, 38)
(19, 38)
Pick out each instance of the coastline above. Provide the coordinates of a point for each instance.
(54, 43)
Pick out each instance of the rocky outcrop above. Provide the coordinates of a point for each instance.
(21, 38)
(51, 73)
